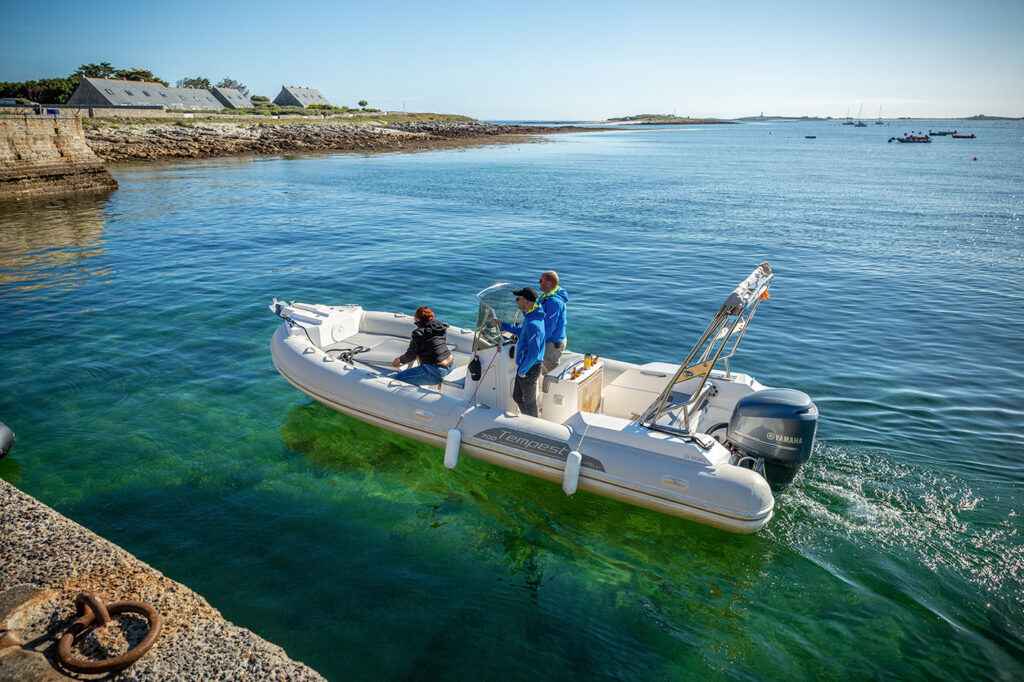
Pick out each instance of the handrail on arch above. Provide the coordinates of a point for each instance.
(731, 320)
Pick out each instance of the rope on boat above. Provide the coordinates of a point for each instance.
(279, 305)
(345, 354)
(478, 384)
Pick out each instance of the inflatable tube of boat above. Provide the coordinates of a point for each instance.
(6, 439)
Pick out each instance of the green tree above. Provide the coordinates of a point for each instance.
(53, 90)
(12, 90)
(363, 103)
(198, 82)
(105, 70)
(232, 83)
(45, 90)
(134, 74)
(259, 98)
(101, 70)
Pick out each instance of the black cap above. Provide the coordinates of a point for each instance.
(528, 293)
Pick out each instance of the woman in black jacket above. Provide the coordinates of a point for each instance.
(429, 345)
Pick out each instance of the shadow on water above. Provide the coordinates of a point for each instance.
(10, 470)
(344, 445)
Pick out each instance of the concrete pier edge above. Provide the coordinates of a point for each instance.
(42, 155)
(47, 559)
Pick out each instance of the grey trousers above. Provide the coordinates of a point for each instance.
(524, 391)
(552, 354)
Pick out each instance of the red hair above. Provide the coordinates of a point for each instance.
(424, 314)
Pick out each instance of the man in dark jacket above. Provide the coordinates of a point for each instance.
(553, 301)
(428, 343)
(529, 350)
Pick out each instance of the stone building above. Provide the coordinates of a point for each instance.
(104, 92)
(231, 98)
(291, 96)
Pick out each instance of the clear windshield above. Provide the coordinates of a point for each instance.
(495, 301)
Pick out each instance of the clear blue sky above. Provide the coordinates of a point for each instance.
(556, 60)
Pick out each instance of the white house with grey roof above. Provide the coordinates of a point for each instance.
(290, 96)
(231, 98)
(104, 92)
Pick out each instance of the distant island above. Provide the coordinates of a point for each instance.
(983, 117)
(762, 117)
(662, 120)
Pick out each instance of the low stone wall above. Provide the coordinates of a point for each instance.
(47, 155)
(47, 559)
(118, 112)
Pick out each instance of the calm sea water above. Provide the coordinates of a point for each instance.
(137, 375)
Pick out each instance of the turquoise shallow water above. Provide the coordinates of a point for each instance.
(136, 373)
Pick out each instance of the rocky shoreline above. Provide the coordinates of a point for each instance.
(200, 139)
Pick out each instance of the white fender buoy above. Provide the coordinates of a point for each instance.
(571, 476)
(451, 448)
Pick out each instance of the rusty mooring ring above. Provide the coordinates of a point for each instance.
(90, 609)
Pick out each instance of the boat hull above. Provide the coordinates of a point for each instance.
(619, 460)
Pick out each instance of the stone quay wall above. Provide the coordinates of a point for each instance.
(46, 560)
(47, 155)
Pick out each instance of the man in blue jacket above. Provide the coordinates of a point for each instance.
(553, 301)
(529, 350)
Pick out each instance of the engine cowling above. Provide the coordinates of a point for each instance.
(778, 426)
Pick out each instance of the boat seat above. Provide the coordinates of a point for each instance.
(456, 378)
(630, 393)
(383, 348)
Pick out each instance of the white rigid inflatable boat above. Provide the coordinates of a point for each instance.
(693, 440)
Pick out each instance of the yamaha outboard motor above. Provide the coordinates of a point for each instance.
(6, 439)
(776, 425)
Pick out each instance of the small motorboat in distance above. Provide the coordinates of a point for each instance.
(963, 137)
(940, 133)
(695, 439)
(913, 138)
